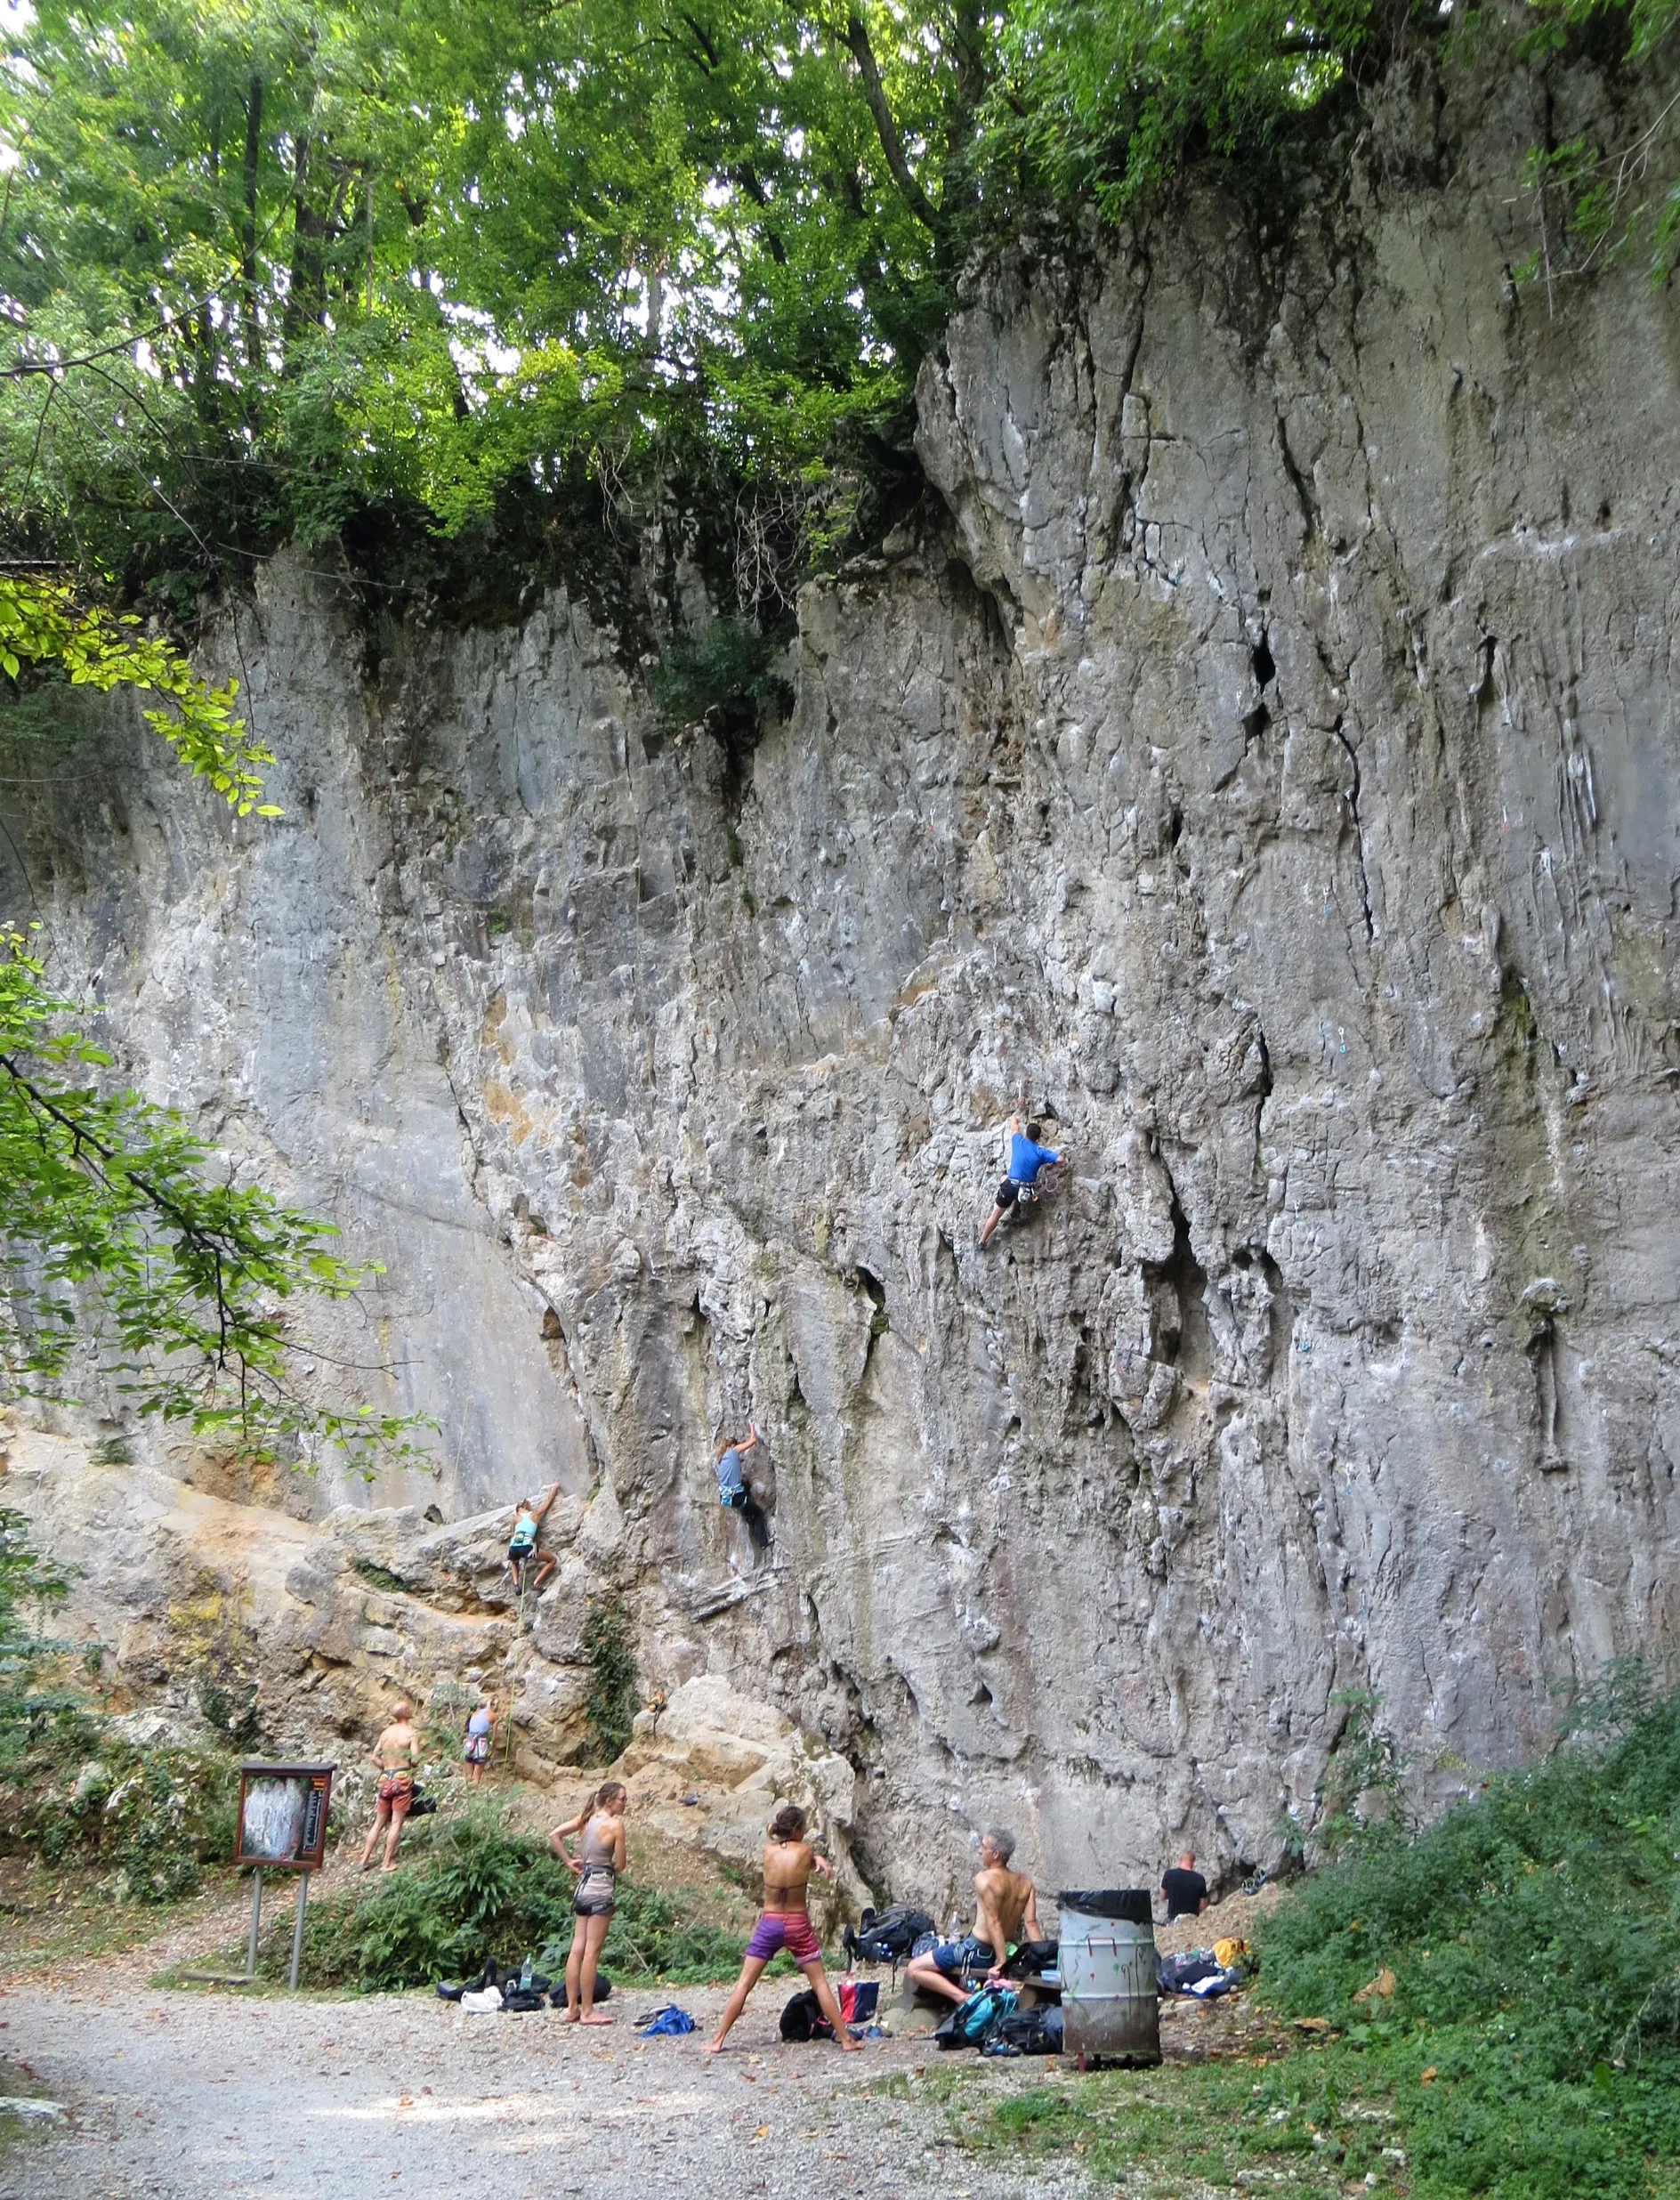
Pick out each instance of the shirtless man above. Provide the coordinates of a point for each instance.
(789, 1861)
(1004, 1903)
(522, 1544)
(396, 1753)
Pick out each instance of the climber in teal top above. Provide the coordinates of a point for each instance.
(522, 1544)
(1027, 1157)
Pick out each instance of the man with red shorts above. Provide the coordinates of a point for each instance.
(789, 1861)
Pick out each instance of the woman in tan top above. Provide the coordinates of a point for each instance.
(598, 1862)
(789, 1861)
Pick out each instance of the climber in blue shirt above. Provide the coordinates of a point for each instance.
(1027, 1157)
(735, 1492)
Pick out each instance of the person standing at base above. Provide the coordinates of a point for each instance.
(396, 1753)
(1004, 1904)
(1026, 1158)
(599, 1861)
(1184, 1887)
(784, 1922)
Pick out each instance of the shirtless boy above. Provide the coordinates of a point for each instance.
(396, 1753)
(789, 1861)
(1004, 1903)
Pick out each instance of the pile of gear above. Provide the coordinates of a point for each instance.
(519, 1992)
(1012, 2014)
(1207, 1972)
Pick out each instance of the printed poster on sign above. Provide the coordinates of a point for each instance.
(283, 1816)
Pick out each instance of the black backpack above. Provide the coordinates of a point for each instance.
(803, 2019)
(1030, 1958)
(1036, 2031)
(886, 1936)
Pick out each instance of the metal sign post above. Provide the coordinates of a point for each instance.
(297, 1928)
(257, 1920)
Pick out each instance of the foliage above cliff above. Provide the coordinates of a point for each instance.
(264, 264)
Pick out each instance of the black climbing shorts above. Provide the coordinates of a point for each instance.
(1007, 1192)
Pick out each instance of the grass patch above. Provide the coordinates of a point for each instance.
(1529, 2048)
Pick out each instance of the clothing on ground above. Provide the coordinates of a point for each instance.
(731, 1482)
(1186, 1892)
(1027, 1157)
(777, 1930)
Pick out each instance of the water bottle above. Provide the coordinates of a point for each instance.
(525, 1977)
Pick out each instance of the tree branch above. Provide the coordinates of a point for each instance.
(891, 144)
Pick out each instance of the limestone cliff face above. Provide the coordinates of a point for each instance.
(1271, 779)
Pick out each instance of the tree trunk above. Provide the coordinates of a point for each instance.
(204, 373)
(305, 289)
(248, 257)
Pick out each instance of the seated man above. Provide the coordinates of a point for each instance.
(522, 1544)
(1184, 1887)
(1027, 1157)
(1004, 1904)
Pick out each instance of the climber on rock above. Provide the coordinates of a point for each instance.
(734, 1492)
(521, 1545)
(1026, 1158)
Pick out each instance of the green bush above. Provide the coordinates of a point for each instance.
(75, 1794)
(610, 1701)
(1534, 1938)
(480, 1890)
(726, 673)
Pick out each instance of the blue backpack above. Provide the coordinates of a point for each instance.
(967, 2025)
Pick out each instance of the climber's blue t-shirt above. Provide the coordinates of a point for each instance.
(1026, 1159)
(731, 1481)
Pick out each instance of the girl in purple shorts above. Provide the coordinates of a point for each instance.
(789, 1861)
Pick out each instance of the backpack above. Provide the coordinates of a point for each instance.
(803, 2019)
(1036, 2031)
(886, 1936)
(1030, 1958)
(968, 2025)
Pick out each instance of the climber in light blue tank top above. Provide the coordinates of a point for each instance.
(522, 1544)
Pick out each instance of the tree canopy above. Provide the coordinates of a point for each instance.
(265, 262)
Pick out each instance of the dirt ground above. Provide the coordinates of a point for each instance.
(197, 2093)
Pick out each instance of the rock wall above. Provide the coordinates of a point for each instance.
(1270, 778)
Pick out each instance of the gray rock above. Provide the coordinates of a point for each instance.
(1272, 783)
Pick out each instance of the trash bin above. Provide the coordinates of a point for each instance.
(1106, 1956)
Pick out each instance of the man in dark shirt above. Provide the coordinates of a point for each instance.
(1185, 1889)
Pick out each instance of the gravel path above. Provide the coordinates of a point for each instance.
(190, 2095)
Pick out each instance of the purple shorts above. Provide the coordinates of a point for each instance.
(777, 1930)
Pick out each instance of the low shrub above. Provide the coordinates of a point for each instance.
(73, 1794)
(482, 1890)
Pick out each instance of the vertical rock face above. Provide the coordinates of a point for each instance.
(1271, 783)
